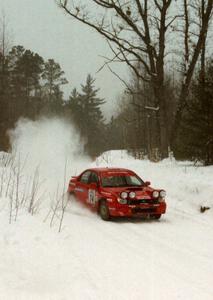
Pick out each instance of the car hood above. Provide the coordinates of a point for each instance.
(141, 192)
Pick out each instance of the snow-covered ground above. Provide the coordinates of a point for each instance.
(123, 259)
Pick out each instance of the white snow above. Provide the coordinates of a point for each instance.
(123, 259)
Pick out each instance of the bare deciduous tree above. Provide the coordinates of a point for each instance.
(195, 31)
(136, 33)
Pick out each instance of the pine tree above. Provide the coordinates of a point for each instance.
(86, 112)
(53, 77)
(4, 101)
(27, 85)
(25, 72)
(196, 135)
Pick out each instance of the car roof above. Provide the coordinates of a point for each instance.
(108, 170)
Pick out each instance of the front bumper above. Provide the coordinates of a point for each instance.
(126, 210)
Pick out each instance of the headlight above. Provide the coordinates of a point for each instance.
(155, 194)
(122, 201)
(162, 194)
(132, 195)
(124, 195)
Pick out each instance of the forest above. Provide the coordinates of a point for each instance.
(166, 107)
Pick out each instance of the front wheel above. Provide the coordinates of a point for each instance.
(104, 211)
(157, 217)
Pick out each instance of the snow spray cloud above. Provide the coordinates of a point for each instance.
(48, 145)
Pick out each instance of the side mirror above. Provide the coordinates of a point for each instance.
(93, 186)
(147, 183)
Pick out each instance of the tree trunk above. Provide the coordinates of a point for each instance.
(162, 120)
(190, 71)
(164, 136)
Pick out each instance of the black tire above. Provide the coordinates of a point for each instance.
(157, 217)
(104, 211)
(70, 194)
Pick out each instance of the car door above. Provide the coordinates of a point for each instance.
(92, 187)
(81, 189)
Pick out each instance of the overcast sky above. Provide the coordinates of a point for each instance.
(41, 26)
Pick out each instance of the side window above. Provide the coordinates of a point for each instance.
(133, 180)
(94, 178)
(85, 177)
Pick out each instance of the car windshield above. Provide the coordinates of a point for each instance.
(121, 181)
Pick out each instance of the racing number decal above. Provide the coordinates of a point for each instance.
(92, 196)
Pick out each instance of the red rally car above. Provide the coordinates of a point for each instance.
(117, 192)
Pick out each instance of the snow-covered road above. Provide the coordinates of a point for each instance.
(92, 259)
(123, 259)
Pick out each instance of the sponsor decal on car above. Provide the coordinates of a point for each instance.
(109, 199)
(79, 189)
(146, 197)
(92, 198)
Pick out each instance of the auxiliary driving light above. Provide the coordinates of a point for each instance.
(132, 195)
(155, 194)
(124, 195)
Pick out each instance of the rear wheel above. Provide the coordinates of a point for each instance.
(104, 211)
(70, 196)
